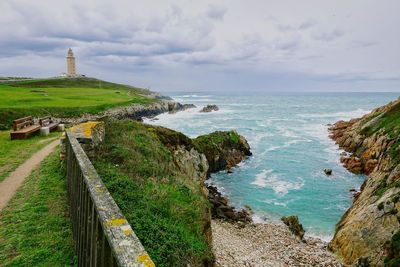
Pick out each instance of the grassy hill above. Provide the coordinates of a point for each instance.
(64, 97)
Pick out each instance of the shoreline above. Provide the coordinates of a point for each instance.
(232, 239)
(266, 244)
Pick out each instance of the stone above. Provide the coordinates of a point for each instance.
(373, 218)
(209, 108)
(44, 131)
(328, 172)
(61, 127)
(294, 225)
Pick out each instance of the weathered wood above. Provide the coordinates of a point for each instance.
(103, 236)
(22, 119)
(48, 122)
(23, 127)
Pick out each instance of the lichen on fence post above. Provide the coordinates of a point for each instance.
(102, 234)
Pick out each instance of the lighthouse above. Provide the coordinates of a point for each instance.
(71, 63)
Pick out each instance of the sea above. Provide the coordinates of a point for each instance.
(289, 139)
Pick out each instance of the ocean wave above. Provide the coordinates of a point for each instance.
(280, 187)
(286, 132)
(285, 145)
(324, 237)
(340, 115)
(194, 96)
(193, 100)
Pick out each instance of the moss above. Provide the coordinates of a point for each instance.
(216, 142)
(381, 188)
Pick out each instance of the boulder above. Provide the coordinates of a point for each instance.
(222, 210)
(294, 225)
(328, 172)
(209, 108)
(223, 149)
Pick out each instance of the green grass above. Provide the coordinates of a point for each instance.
(15, 152)
(76, 82)
(214, 142)
(389, 121)
(34, 228)
(167, 210)
(64, 98)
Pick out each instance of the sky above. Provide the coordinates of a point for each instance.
(224, 45)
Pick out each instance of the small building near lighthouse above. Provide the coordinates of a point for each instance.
(71, 70)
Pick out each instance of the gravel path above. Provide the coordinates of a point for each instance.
(10, 185)
(265, 245)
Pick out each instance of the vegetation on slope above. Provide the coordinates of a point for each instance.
(222, 149)
(393, 251)
(34, 228)
(166, 209)
(15, 152)
(64, 97)
(387, 119)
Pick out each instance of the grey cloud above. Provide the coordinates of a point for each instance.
(165, 36)
(215, 12)
(328, 36)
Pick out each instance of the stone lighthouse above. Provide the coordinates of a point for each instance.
(71, 63)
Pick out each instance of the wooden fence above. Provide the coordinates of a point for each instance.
(102, 235)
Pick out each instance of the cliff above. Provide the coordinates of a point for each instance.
(156, 176)
(134, 111)
(368, 233)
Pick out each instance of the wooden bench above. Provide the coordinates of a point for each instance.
(48, 122)
(23, 127)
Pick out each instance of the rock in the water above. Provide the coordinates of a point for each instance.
(294, 225)
(223, 150)
(210, 108)
(328, 171)
(222, 210)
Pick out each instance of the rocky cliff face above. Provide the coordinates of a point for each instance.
(366, 234)
(134, 112)
(223, 150)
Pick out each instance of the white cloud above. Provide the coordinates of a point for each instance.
(148, 42)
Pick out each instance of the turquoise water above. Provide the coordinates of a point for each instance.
(288, 136)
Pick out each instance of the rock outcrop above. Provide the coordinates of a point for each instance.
(133, 112)
(204, 155)
(222, 210)
(223, 150)
(373, 144)
(294, 226)
(209, 108)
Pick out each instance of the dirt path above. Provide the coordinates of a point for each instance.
(9, 186)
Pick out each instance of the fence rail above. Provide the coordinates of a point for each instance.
(102, 235)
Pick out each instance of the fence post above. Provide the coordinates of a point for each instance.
(103, 236)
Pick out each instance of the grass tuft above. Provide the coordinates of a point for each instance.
(166, 209)
(35, 229)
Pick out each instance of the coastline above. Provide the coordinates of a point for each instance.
(266, 244)
(361, 162)
(241, 242)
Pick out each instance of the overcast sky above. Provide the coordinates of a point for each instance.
(168, 45)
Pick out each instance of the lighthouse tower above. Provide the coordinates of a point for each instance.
(71, 63)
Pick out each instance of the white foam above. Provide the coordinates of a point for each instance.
(339, 115)
(325, 238)
(261, 180)
(194, 95)
(280, 187)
